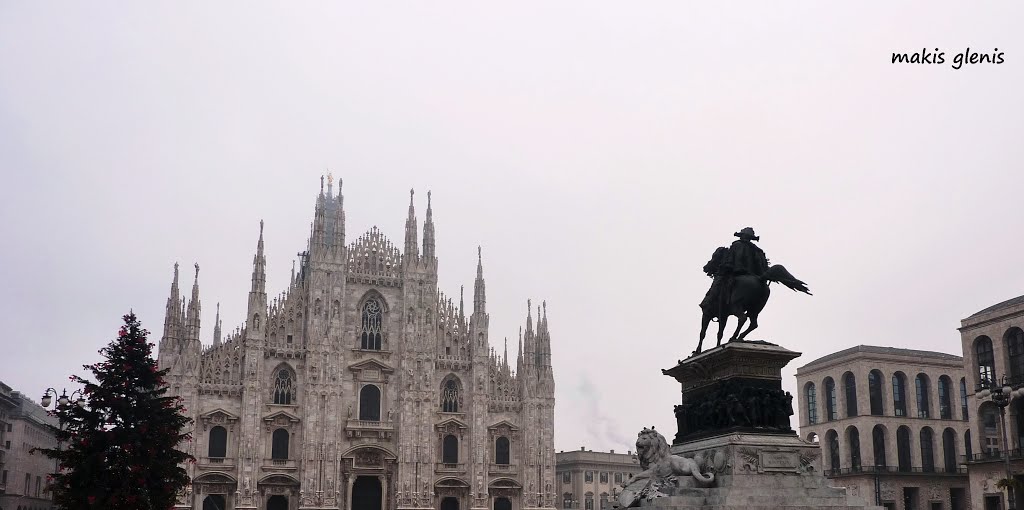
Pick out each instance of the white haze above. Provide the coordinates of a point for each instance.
(598, 151)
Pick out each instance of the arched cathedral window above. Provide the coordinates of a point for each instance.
(450, 397)
(284, 386)
(279, 445)
(371, 335)
(450, 450)
(369, 403)
(218, 447)
(501, 451)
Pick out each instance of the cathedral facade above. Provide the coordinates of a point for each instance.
(362, 386)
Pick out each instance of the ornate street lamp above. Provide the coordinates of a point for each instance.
(1001, 395)
(63, 399)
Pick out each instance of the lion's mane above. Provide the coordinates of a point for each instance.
(652, 447)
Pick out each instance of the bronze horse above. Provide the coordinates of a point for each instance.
(745, 298)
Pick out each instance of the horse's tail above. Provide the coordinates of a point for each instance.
(778, 273)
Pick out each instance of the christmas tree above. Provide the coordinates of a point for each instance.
(120, 445)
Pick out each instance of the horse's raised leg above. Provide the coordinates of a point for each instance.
(705, 320)
(742, 320)
(753, 326)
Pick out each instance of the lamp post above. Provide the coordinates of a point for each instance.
(1001, 395)
(62, 400)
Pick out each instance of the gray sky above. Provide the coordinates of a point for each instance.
(598, 151)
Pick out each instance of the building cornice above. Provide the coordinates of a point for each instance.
(955, 366)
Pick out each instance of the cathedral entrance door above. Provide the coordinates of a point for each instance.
(502, 504)
(449, 504)
(367, 493)
(277, 503)
(214, 502)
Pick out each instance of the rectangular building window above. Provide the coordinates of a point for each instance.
(604, 476)
(618, 477)
(588, 476)
(566, 477)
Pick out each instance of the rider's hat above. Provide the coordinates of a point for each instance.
(747, 233)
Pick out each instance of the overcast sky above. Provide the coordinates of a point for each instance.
(598, 151)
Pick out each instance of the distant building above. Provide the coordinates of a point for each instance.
(993, 344)
(588, 480)
(23, 473)
(7, 404)
(892, 424)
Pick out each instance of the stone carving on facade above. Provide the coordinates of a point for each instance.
(888, 490)
(809, 459)
(751, 460)
(368, 459)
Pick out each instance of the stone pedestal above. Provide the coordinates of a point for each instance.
(733, 388)
(758, 472)
(734, 421)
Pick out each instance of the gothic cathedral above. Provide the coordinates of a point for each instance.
(362, 387)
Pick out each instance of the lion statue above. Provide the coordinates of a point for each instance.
(660, 468)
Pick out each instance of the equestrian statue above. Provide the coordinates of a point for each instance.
(740, 277)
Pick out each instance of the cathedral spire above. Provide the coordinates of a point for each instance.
(192, 319)
(529, 316)
(411, 243)
(544, 341)
(259, 266)
(505, 356)
(216, 327)
(529, 345)
(319, 221)
(519, 354)
(479, 290)
(339, 226)
(257, 308)
(172, 315)
(428, 232)
(462, 306)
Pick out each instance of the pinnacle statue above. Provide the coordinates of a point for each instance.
(739, 287)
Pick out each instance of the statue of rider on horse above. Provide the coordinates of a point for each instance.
(740, 274)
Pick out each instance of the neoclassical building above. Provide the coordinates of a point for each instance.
(590, 480)
(993, 346)
(893, 425)
(362, 386)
